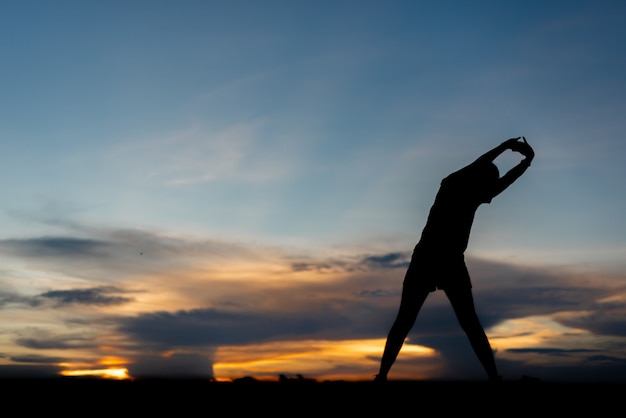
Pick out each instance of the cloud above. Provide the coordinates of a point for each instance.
(224, 152)
(318, 266)
(95, 296)
(35, 358)
(107, 252)
(600, 321)
(211, 327)
(512, 291)
(530, 300)
(98, 296)
(388, 261)
(588, 369)
(9, 298)
(57, 342)
(379, 293)
(375, 262)
(551, 351)
(177, 365)
(28, 371)
(53, 247)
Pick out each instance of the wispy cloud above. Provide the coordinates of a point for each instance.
(62, 341)
(100, 296)
(239, 152)
(53, 247)
(37, 359)
(550, 351)
(7, 298)
(600, 319)
(388, 261)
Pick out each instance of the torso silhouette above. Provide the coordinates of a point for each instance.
(451, 216)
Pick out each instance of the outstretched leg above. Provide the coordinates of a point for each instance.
(410, 304)
(463, 304)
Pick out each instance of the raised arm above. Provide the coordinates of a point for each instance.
(492, 154)
(514, 173)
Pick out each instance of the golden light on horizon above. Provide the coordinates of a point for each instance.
(113, 361)
(113, 373)
(617, 298)
(321, 359)
(531, 331)
(535, 333)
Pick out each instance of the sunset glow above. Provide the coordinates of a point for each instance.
(529, 332)
(214, 190)
(116, 374)
(319, 359)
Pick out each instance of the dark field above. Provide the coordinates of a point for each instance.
(204, 398)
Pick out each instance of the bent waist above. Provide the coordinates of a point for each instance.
(439, 251)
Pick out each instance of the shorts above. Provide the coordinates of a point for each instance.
(432, 270)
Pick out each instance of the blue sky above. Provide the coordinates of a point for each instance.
(197, 164)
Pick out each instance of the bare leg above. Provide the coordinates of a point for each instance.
(410, 304)
(463, 304)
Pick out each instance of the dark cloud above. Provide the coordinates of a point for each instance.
(34, 358)
(7, 298)
(498, 304)
(388, 261)
(100, 296)
(379, 293)
(211, 327)
(605, 359)
(589, 368)
(53, 247)
(559, 352)
(57, 342)
(326, 266)
(177, 365)
(29, 371)
(374, 262)
(506, 292)
(602, 319)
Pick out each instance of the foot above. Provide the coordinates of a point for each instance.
(380, 378)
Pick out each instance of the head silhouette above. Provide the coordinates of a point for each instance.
(483, 180)
(488, 173)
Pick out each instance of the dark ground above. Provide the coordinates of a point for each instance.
(293, 397)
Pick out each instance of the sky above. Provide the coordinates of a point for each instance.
(220, 189)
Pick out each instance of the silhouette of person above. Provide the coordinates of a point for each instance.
(438, 258)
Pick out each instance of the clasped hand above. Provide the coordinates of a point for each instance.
(522, 147)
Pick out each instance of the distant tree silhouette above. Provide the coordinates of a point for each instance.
(298, 379)
(245, 380)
